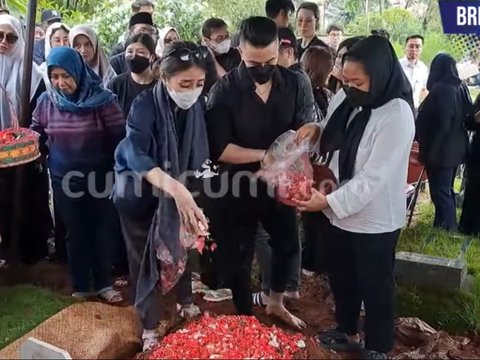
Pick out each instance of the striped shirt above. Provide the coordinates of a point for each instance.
(78, 142)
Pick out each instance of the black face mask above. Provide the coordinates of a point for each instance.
(356, 97)
(138, 64)
(261, 74)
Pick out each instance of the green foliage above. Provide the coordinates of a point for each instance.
(186, 16)
(399, 22)
(233, 12)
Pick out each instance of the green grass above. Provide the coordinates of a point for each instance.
(22, 308)
(453, 311)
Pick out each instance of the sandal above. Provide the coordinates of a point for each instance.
(81, 295)
(218, 295)
(110, 296)
(337, 341)
(189, 311)
(149, 339)
(121, 282)
(199, 288)
(258, 299)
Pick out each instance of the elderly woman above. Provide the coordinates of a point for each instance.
(82, 124)
(84, 39)
(36, 222)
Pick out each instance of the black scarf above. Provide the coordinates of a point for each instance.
(387, 82)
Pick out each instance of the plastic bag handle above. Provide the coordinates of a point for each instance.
(13, 113)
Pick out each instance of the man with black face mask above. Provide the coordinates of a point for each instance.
(247, 110)
(139, 55)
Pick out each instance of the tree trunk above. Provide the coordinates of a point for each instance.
(427, 16)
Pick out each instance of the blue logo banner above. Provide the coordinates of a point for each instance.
(460, 17)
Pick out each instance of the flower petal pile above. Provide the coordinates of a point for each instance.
(230, 337)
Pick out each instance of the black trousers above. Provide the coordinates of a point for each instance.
(234, 222)
(135, 233)
(360, 269)
(441, 180)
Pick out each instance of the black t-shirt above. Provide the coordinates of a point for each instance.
(236, 115)
(315, 42)
(230, 60)
(127, 90)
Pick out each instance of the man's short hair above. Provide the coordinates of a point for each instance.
(416, 36)
(259, 31)
(137, 5)
(211, 25)
(334, 27)
(273, 7)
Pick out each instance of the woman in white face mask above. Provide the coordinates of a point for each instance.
(166, 139)
(216, 37)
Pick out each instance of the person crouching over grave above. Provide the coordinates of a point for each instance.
(369, 132)
(247, 110)
(80, 125)
(166, 139)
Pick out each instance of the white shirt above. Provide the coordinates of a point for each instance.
(374, 200)
(417, 74)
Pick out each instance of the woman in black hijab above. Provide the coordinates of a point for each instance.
(442, 136)
(368, 137)
(470, 219)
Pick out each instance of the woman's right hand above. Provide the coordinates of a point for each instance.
(191, 215)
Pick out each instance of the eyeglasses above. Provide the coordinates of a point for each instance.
(11, 38)
(185, 54)
(414, 46)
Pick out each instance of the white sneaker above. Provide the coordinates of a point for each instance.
(149, 339)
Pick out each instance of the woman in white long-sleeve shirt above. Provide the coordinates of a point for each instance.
(368, 135)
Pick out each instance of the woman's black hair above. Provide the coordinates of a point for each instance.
(173, 63)
(144, 39)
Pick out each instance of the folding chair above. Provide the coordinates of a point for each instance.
(416, 178)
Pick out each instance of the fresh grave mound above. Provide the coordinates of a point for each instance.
(230, 337)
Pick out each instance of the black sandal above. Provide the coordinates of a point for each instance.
(337, 341)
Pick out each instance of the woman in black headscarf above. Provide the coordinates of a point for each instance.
(368, 137)
(336, 80)
(442, 136)
(470, 220)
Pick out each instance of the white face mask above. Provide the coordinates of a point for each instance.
(222, 48)
(185, 99)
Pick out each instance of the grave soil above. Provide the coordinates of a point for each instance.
(315, 307)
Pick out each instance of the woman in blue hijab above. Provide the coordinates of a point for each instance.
(442, 135)
(80, 124)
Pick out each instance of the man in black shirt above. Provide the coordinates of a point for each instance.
(140, 23)
(216, 37)
(247, 110)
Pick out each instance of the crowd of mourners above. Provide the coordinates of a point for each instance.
(118, 132)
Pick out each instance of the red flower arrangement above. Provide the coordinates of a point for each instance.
(230, 337)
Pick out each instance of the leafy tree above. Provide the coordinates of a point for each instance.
(234, 11)
(399, 23)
